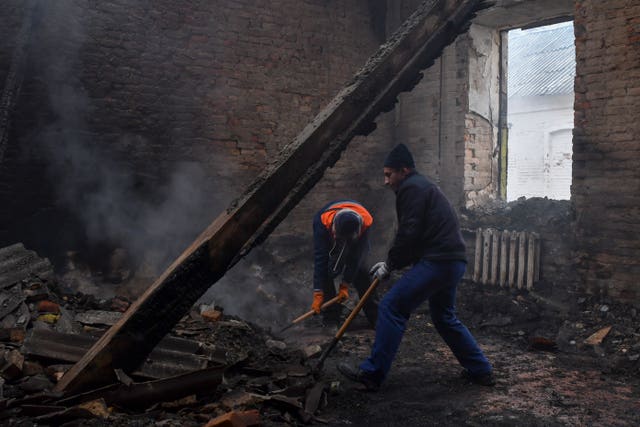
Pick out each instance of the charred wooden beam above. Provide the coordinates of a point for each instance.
(249, 219)
(145, 394)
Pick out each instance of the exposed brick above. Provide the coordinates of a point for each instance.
(605, 147)
(142, 88)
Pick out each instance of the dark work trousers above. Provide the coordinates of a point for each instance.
(362, 282)
(436, 281)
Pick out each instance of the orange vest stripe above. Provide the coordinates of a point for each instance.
(327, 216)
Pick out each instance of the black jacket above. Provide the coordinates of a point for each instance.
(428, 226)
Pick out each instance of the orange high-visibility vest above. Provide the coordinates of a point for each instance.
(327, 216)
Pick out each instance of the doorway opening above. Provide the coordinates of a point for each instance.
(540, 93)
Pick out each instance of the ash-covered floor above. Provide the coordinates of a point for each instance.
(561, 359)
(546, 374)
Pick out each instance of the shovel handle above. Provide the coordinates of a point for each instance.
(358, 307)
(311, 312)
(345, 325)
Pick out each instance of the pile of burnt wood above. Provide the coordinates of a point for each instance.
(211, 369)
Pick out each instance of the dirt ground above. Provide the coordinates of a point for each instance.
(547, 372)
(540, 381)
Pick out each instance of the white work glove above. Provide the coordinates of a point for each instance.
(380, 270)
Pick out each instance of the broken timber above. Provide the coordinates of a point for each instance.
(394, 68)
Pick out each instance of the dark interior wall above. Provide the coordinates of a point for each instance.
(12, 12)
(606, 172)
(139, 121)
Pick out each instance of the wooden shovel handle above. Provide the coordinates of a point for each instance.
(357, 308)
(346, 324)
(311, 312)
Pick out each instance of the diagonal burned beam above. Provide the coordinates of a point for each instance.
(249, 220)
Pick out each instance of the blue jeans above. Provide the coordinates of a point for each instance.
(436, 281)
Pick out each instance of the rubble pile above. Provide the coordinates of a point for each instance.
(593, 329)
(215, 369)
(212, 368)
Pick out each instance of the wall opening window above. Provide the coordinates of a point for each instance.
(541, 67)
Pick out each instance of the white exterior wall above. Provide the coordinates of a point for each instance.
(540, 147)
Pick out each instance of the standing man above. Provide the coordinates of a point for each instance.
(340, 246)
(429, 240)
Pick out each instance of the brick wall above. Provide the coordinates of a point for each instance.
(430, 118)
(606, 177)
(481, 171)
(143, 120)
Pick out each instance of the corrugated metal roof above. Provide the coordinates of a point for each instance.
(18, 263)
(542, 61)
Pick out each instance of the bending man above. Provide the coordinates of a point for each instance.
(340, 246)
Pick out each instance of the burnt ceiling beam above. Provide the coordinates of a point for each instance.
(394, 68)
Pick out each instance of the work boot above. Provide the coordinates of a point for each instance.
(487, 379)
(354, 373)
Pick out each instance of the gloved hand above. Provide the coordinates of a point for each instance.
(380, 270)
(318, 297)
(343, 292)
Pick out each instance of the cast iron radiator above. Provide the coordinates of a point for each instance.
(505, 258)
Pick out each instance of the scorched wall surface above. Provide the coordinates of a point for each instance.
(142, 120)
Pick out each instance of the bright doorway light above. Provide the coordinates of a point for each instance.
(541, 72)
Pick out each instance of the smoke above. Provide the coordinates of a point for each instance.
(118, 208)
(120, 200)
(271, 286)
(117, 196)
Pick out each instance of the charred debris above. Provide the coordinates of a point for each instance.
(216, 369)
(210, 365)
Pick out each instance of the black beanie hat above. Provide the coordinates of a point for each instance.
(399, 157)
(347, 223)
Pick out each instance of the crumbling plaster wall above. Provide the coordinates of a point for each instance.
(481, 175)
(132, 111)
(606, 173)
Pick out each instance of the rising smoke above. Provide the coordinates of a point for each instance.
(152, 218)
(120, 203)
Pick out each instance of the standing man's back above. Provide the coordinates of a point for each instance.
(428, 240)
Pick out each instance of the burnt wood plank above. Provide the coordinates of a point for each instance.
(249, 219)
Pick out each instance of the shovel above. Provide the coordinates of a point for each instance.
(311, 313)
(346, 324)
